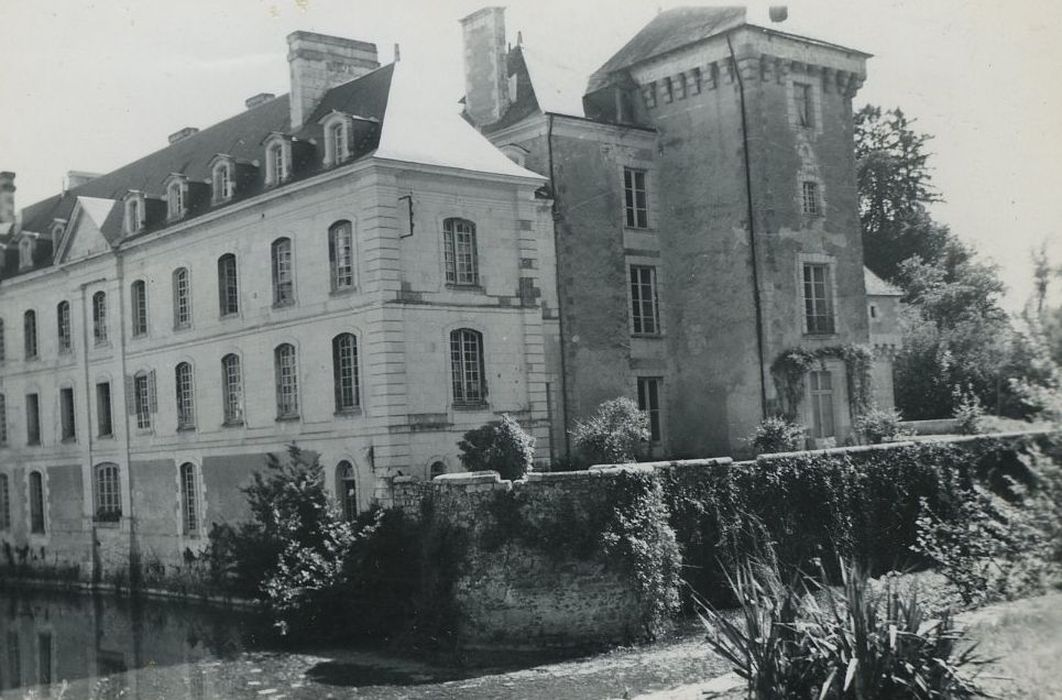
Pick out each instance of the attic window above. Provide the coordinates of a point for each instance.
(25, 253)
(176, 196)
(57, 231)
(134, 214)
(221, 180)
(277, 165)
(337, 139)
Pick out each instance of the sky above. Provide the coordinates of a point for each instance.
(92, 85)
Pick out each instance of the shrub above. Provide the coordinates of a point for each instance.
(878, 425)
(501, 446)
(855, 644)
(968, 411)
(613, 434)
(776, 434)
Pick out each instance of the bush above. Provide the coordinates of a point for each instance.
(501, 446)
(614, 434)
(878, 425)
(777, 434)
(968, 411)
(855, 644)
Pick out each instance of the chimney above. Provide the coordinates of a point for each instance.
(7, 197)
(486, 72)
(183, 134)
(318, 63)
(779, 13)
(77, 178)
(259, 99)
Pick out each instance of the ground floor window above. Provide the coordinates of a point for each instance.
(36, 498)
(347, 490)
(822, 422)
(108, 493)
(649, 390)
(189, 499)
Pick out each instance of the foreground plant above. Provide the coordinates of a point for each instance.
(804, 640)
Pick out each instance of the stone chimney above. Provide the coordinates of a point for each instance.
(7, 197)
(486, 72)
(318, 63)
(183, 134)
(77, 178)
(259, 99)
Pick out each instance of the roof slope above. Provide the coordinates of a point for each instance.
(559, 88)
(669, 30)
(878, 287)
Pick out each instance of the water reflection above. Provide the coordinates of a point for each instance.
(54, 640)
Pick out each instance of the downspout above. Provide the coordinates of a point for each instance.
(134, 548)
(88, 426)
(557, 285)
(757, 302)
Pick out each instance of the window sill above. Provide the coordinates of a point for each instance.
(140, 336)
(640, 229)
(232, 424)
(293, 418)
(343, 291)
(648, 336)
(821, 334)
(107, 523)
(348, 412)
(69, 441)
(480, 406)
(33, 444)
(185, 428)
(277, 305)
(106, 436)
(228, 316)
(477, 288)
(101, 344)
(184, 327)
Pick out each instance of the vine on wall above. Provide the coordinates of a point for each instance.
(790, 367)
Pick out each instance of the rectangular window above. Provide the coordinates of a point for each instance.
(189, 499)
(63, 322)
(459, 251)
(810, 198)
(66, 414)
(805, 110)
(182, 301)
(232, 389)
(669, 90)
(696, 80)
(283, 278)
(649, 92)
(36, 494)
(821, 384)
(287, 382)
(103, 409)
(228, 286)
(649, 401)
(680, 86)
(99, 318)
(142, 401)
(644, 309)
(635, 198)
(33, 420)
(44, 658)
(3, 420)
(5, 503)
(818, 299)
(139, 294)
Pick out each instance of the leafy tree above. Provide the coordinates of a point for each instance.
(1042, 273)
(614, 433)
(501, 446)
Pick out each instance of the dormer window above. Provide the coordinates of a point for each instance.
(221, 182)
(25, 253)
(134, 212)
(278, 160)
(176, 198)
(337, 138)
(57, 230)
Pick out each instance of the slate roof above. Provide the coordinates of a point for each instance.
(877, 287)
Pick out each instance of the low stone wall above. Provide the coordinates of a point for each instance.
(936, 426)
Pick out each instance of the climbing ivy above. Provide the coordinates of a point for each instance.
(790, 367)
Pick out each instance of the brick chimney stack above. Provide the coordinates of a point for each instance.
(486, 70)
(7, 197)
(319, 62)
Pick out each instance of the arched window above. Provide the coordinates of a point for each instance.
(5, 503)
(337, 141)
(182, 298)
(345, 372)
(25, 253)
(189, 499)
(99, 317)
(287, 381)
(3, 420)
(228, 286)
(466, 363)
(138, 295)
(185, 392)
(283, 277)
(62, 320)
(437, 469)
(232, 389)
(36, 504)
(143, 398)
(347, 490)
(221, 180)
(29, 333)
(341, 255)
(107, 487)
(175, 200)
(459, 247)
(134, 215)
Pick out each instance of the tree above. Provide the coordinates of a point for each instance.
(501, 446)
(1042, 273)
(614, 433)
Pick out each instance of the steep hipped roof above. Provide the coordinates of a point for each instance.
(877, 287)
(669, 30)
(559, 88)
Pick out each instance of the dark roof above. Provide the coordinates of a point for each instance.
(669, 30)
(239, 136)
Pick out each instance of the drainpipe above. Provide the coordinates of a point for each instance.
(557, 284)
(757, 302)
(134, 550)
(88, 413)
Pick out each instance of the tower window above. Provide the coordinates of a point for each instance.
(459, 249)
(466, 365)
(635, 198)
(818, 299)
(803, 97)
(810, 198)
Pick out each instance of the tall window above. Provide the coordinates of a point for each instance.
(189, 499)
(228, 286)
(669, 90)
(283, 278)
(36, 504)
(5, 503)
(99, 317)
(108, 493)
(802, 94)
(277, 164)
(29, 333)
(821, 384)
(62, 320)
(138, 294)
(3, 352)
(132, 215)
(44, 658)
(175, 200)
(66, 414)
(232, 389)
(810, 198)
(33, 419)
(347, 490)
(3, 420)
(818, 298)
(345, 372)
(103, 409)
(644, 307)
(649, 401)
(635, 198)
(459, 243)
(185, 393)
(466, 363)
(222, 182)
(287, 381)
(143, 399)
(182, 298)
(341, 255)
(338, 141)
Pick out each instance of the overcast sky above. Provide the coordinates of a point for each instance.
(93, 85)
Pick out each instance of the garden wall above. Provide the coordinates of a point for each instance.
(572, 560)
